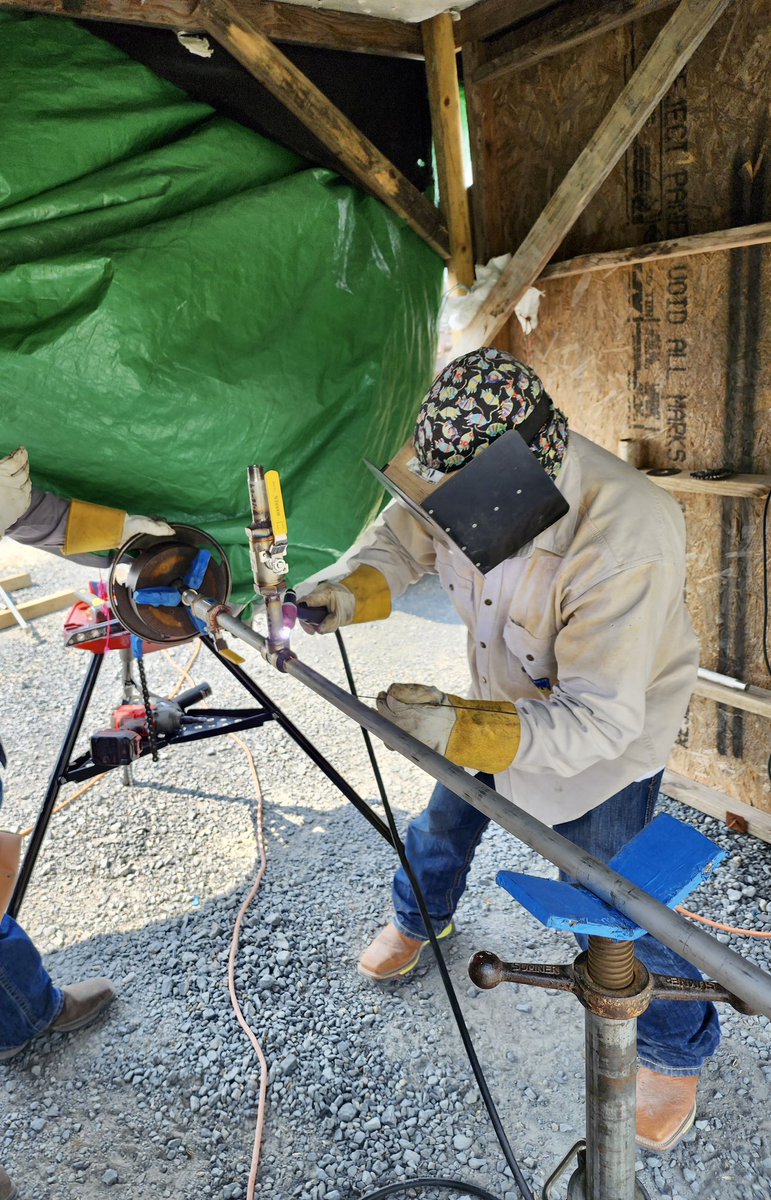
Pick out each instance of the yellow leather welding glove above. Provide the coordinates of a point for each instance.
(481, 734)
(362, 596)
(95, 527)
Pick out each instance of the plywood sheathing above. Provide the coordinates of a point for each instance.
(674, 352)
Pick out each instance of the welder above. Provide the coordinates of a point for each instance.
(30, 1003)
(581, 652)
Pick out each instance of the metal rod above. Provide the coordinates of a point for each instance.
(55, 783)
(611, 1069)
(740, 976)
(13, 610)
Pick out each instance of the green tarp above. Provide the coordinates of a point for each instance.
(180, 297)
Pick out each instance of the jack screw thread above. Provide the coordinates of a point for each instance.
(611, 964)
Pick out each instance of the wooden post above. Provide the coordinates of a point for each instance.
(357, 153)
(675, 44)
(444, 97)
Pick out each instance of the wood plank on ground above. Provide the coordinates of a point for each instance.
(677, 41)
(717, 804)
(13, 583)
(38, 608)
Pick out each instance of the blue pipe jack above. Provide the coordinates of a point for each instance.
(667, 859)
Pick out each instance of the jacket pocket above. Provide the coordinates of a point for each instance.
(534, 655)
(458, 586)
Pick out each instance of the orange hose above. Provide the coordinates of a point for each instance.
(726, 928)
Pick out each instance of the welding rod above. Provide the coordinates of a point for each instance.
(735, 973)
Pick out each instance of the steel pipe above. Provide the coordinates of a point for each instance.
(741, 977)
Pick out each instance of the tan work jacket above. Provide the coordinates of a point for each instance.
(585, 628)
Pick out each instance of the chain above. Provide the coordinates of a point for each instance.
(152, 727)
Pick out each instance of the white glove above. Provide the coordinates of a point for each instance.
(134, 525)
(15, 488)
(424, 712)
(340, 601)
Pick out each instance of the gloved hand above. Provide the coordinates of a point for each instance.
(362, 596)
(95, 527)
(15, 488)
(481, 734)
(133, 525)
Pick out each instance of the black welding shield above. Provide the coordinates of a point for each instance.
(491, 507)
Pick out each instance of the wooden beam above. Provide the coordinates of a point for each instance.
(488, 17)
(684, 31)
(38, 608)
(752, 699)
(717, 804)
(13, 583)
(698, 243)
(333, 30)
(566, 27)
(356, 153)
(745, 487)
(176, 14)
(280, 22)
(444, 98)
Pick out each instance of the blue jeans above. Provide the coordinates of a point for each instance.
(673, 1037)
(29, 1002)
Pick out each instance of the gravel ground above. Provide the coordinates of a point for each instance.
(367, 1084)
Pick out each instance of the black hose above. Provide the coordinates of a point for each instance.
(468, 1045)
(454, 1185)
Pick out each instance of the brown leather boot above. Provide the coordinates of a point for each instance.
(83, 1002)
(393, 953)
(7, 1190)
(10, 854)
(666, 1108)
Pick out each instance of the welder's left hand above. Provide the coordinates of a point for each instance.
(481, 734)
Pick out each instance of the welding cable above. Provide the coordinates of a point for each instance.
(468, 1045)
(453, 1185)
(184, 673)
(725, 928)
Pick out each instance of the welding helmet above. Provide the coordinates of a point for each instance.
(479, 471)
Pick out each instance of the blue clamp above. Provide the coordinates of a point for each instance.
(169, 597)
(667, 858)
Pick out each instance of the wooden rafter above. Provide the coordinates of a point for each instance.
(444, 97)
(358, 155)
(697, 243)
(564, 28)
(486, 18)
(671, 50)
(281, 22)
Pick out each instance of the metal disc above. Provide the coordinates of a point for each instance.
(148, 561)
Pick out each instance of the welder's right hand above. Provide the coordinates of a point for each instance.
(362, 596)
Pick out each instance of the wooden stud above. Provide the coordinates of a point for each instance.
(161, 13)
(38, 608)
(15, 582)
(444, 98)
(716, 804)
(356, 153)
(699, 243)
(671, 50)
(568, 26)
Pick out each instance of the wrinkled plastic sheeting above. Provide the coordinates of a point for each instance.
(180, 298)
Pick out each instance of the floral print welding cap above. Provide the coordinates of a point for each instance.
(475, 399)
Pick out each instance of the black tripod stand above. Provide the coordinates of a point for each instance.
(213, 722)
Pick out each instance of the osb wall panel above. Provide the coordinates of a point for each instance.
(674, 353)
